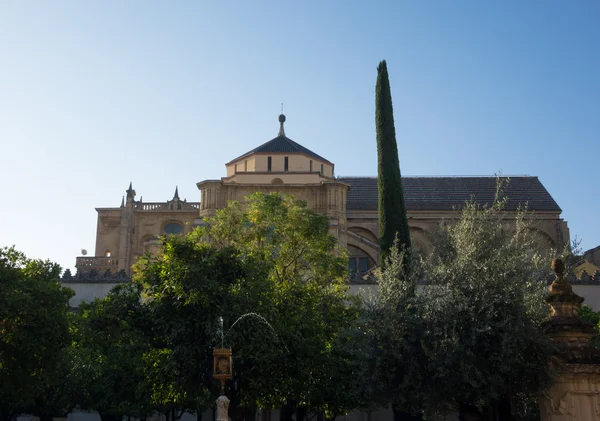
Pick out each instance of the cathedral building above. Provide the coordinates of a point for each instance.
(281, 165)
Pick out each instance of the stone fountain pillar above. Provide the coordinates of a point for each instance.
(575, 394)
(222, 371)
(222, 408)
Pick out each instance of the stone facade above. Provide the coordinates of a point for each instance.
(124, 234)
(281, 165)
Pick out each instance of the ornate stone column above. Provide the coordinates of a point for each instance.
(575, 394)
(222, 371)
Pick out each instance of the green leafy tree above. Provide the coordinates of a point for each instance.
(472, 341)
(56, 397)
(397, 367)
(586, 313)
(185, 288)
(483, 312)
(283, 232)
(34, 328)
(296, 364)
(109, 368)
(392, 209)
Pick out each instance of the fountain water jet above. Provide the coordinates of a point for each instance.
(223, 363)
(243, 316)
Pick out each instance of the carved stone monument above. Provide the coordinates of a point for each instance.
(222, 408)
(575, 394)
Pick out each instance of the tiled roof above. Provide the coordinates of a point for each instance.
(281, 144)
(447, 193)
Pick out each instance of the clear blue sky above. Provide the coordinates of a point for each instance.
(96, 94)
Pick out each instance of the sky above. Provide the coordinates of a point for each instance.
(96, 94)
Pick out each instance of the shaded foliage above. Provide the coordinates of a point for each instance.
(110, 344)
(185, 288)
(34, 329)
(586, 313)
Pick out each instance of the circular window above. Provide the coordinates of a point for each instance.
(173, 228)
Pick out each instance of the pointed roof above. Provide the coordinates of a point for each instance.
(130, 192)
(281, 144)
(176, 195)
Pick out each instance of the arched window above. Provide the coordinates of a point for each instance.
(359, 262)
(173, 228)
(107, 253)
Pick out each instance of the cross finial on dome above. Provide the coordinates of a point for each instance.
(281, 121)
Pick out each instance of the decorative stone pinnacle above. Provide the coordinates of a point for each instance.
(560, 284)
(176, 195)
(130, 192)
(281, 121)
(570, 332)
(558, 266)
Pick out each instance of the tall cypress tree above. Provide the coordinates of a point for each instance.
(392, 210)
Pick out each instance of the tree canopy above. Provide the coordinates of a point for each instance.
(306, 301)
(34, 329)
(110, 344)
(472, 341)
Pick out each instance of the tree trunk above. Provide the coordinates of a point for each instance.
(6, 413)
(6, 416)
(301, 412)
(404, 416)
(109, 417)
(286, 412)
(250, 414)
(172, 414)
(236, 413)
(499, 410)
(468, 412)
(505, 409)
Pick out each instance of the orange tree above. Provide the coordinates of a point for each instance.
(34, 330)
(305, 360)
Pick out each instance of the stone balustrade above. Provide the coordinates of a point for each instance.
(169, 206)
(84, 263)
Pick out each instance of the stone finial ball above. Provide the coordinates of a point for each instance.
(281, 118)
(558, 266)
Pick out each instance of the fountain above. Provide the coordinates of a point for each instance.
(222, 371)
(223, 364)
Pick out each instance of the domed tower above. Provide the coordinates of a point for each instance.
(279, 161)
(280, 165)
